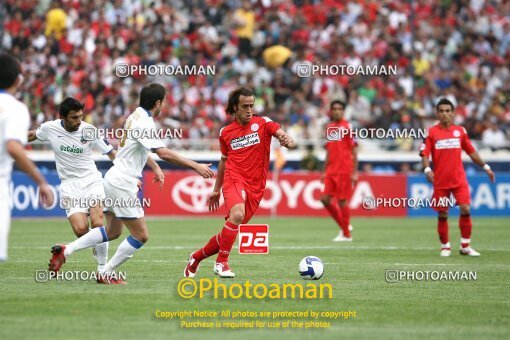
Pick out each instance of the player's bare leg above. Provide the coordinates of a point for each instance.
(79, 223)
(466, 226)
(113, 226)
(442, 230)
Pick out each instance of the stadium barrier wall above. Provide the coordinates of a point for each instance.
(291, 194)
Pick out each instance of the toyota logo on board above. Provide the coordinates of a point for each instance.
(191, 193)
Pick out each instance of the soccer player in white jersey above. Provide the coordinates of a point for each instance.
(120, 184)
(14, 122)
(82, 184)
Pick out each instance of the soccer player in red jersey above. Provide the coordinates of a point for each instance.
(242, 171)
(340, 170)
(445, 143)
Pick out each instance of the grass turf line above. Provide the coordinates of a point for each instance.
(63, 310)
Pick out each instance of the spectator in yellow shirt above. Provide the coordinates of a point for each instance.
(244, 21)
(56, 20)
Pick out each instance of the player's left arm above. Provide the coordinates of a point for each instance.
(105, 147)
(284, 139)
(159, 177)
(112, 154)
(175, 158)
(31, 136)
(475, 156)
(354, 175)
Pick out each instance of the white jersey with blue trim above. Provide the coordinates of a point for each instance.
(140, 137)
(73, 152)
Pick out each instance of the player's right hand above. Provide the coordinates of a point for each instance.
(491, 175)
(159, 177)
(430, 176)
(323, 176)
(46, 195)
(213, 201)
(204, 170)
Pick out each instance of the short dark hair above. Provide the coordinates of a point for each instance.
(233, 98)
(9, 71)
(444, 101)
(150, 94)
(334, 102)
(70, 104)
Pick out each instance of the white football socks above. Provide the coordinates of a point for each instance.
(90, 239)
(124, 252)
(102, 253)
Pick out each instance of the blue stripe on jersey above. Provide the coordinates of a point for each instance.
(148, 112)
(103, 232)
(134, 242)
(106, 141)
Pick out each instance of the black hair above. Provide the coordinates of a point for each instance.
(150, 94)
(9, 71)
(233, 98)
(444, 101)
(334, 102)
(69, 104)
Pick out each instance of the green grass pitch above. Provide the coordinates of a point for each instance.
(433, 309)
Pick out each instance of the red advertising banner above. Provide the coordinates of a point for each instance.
(292, 194)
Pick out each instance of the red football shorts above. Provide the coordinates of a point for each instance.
(461, 195)
(339, 186)
(235, 193)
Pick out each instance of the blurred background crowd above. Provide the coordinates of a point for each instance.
(454, 48)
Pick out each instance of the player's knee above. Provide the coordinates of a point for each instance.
(113, 234)
(143, 237)
(465, 210)
(236, 215)
(326, 200)
(443, 214)
(97, 222)
(342, 203)
(80, 230)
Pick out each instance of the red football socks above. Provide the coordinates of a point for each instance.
(442, 229)
(212, 247)
(465, 226)
(345, 220)
(227, 239)
(335, 213)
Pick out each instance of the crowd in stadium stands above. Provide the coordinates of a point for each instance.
(458, 48)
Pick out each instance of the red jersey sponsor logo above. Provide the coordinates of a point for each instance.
(450, 143)
(245, 141)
